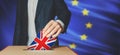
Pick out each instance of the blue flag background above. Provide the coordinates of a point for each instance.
(94, 28)
(7, 22)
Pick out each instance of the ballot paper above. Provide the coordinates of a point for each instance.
(42, 43)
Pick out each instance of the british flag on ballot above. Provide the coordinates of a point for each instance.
(42, 43)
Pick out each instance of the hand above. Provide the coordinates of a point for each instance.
(53, 29)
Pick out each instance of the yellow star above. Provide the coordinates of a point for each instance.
(85, 12)
(72, 46)
(75, 3)
(83, 37)
(88, 25)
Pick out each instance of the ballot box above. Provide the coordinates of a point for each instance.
(21, 50)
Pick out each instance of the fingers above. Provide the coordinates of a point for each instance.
(54, 31)
(58, 32)
(52, 28)
(48, 25)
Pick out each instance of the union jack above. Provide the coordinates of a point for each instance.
(42, 43)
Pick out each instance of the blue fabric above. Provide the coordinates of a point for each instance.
(7, 22)
(103, 38)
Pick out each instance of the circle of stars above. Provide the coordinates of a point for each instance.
(88, 25)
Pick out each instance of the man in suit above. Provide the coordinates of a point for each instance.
(35, 15)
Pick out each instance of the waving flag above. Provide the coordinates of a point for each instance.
(94, 28)
(42, 43)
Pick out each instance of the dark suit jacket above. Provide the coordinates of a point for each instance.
(46, 11)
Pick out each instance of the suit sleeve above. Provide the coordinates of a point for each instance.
(21, 29)
(62, 13)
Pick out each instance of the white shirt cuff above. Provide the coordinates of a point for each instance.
(61, 23)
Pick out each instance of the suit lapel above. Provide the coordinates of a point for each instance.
(37, 19)
(37, 10)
